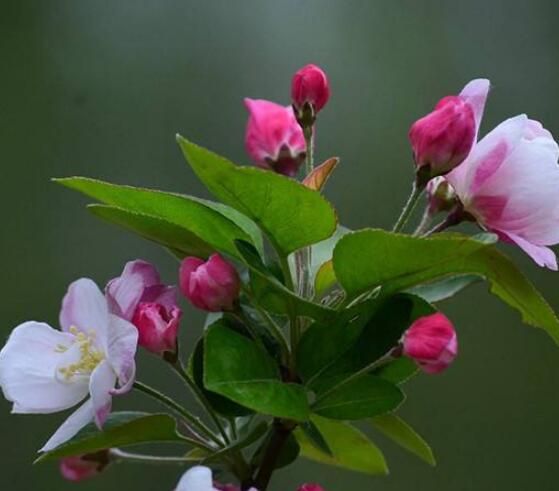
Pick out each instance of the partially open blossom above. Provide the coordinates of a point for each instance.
(139, 296)
(43, 370)
(211, 285)
(83, 467)
(157, 327)
(199, 478)
(310, 487)
(443, 139)
(440, 195)
(431, 342)
(310, 85)
(510, 185)
(274, 140)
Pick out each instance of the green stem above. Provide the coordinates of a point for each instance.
(175, 406)
(409, 207)
(426, 220)
(201, 398)
(309, 158)
(120, 455)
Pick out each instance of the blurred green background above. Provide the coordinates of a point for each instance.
(99, 88)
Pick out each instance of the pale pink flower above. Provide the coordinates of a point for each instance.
(510, 184)
(440, 195)
(443, 139)
(274, 140)
(431, 342)
(139, 296)
(310, 85)
(43, 370)
(211, 285)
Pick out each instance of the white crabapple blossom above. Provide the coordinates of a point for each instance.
(44, 370)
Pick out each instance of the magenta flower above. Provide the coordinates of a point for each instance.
(139, 296)
(510, 184)
(310, 85)
(211, 285)
(274, 140)
(443, 139)
(43, 370)
(431, 342)
(83, 467)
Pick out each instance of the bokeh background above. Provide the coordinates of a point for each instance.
(99, 88)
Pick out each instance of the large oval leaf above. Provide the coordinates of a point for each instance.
(237, 368)
(291, 215)
(120, 429)
(369, 258)
(199, 222)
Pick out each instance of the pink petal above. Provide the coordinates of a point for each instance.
(475, 93)
(542, 256)
(101, 383)
(121, 349)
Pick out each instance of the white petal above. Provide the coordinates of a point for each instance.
(197, 478)
(121, 348)
(28, 365)
(75, 422)
(85, 307)
(102, 382)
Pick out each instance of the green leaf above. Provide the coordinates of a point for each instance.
(180, 240)
(404, 435)
(351, 448)
(237, 368)
(407, 261)
(315, 437)
(121, 429)
(364, 397)
(287, 455)
(325, 278)
(291, 215)
(219, 403)
(253, 436)
(207, 228)
(397, 371)
(445, 288)
(327, 354)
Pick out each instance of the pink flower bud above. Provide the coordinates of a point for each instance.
(157, 327)
(225, 487)
(211, 285)
(274, 140)
(443, 139)
(82, 467)
(310, 487)
(431, 342)
(310, 84)
(440, 195)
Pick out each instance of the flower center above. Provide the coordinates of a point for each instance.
(85, 356)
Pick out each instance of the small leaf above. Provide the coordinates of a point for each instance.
(397, 371)
(325, 278)
(364, 397)
(199, 222)
(291, 215)
(253, 436)
(318, 177)
(404, 435)
(410, 261)
(237, 368)
(121, 428)
(351, 449)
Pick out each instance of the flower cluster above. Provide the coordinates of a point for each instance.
(310, 327)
